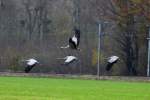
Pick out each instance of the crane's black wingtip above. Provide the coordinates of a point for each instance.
(109, 66)
(27, 70)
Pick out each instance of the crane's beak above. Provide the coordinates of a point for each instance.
(39, 63)
(79, 49)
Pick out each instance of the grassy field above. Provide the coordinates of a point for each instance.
(27, 88)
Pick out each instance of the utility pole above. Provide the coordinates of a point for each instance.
(76, 13)
(148, 62)
(98, 49)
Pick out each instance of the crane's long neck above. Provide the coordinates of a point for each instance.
(60, 58)
(24, 60)
(65, 47)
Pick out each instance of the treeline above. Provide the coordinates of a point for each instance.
(37, 28)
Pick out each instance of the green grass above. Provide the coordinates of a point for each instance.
(27, 88)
